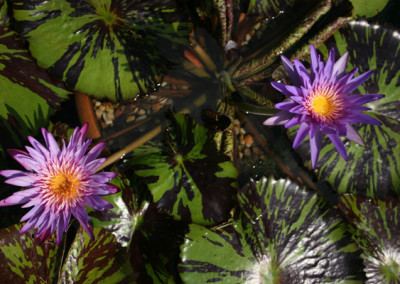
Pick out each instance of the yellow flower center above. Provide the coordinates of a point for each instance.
(64, 185)
(321, 105)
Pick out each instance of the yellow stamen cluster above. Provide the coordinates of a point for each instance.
(325, 104)
(64, 186)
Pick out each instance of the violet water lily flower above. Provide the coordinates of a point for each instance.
(60, 182)
(322, 103)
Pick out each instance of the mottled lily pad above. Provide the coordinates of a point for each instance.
(376, 229)
(154, 250)
(186, 174)
(373, 170)
(285, 234)
(105, 48)
(125, 217)
(101, 259)
(28, 95)
(23, 259)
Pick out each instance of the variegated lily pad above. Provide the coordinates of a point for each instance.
(28, 95)
(154, 249)
(101, 259)
(373, 170)
(376, 228)
(104, 48)
(285, 234)
(23, 259)
(125, 217)
(186, 174)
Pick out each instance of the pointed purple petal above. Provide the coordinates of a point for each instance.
(39, 147)
(294, 121)
(301, 134)
(94, 165)
(97, 203)
(281, 88)
(294, 91)
(315, 148)
(362, 118)
(27, 162)
(280, 118)
(81, 215)
(354, 83)
(50, 142)
(314, 62)
(340, 66)
(35, 211)
(339, 145)
(329, 64)
(362, 99)
(303, 73)
(13, 173)
(353, 135)
(21, 181)
(94, 152)
(299, 109)
(313, 129)
(286, 105)
(104, 177)
(290, 69)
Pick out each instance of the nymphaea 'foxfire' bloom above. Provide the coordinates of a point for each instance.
(322, 103)
(60, 183)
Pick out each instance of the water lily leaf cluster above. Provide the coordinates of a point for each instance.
(187, 210)
(29, 95)
(107, 49)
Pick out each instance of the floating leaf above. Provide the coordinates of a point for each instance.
(106, 48)
(186, 175)
(284, 235)
(28, 94)
(100, 260)
(365, 8)
(125, 217)
(373, 170)
(23, 259)
(155, 245)
(376, 228)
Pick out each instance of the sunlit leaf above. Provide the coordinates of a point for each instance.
(28, 95)
(365, 8)
(286, 234)
(376, 229)
(186, 175)
(373, 170)
(125, 217)
(108, 48)
(101, 260)
(23, 259)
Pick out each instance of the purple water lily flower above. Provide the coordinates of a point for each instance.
(61, 182)
(322, 103)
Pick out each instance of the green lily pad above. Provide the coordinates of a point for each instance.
(376, 229)
(100, 260)
(23, 259)
(28, 95)
(285, 234)
(365, 8)
(106, 48)
(373, 170)
(186, 174)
